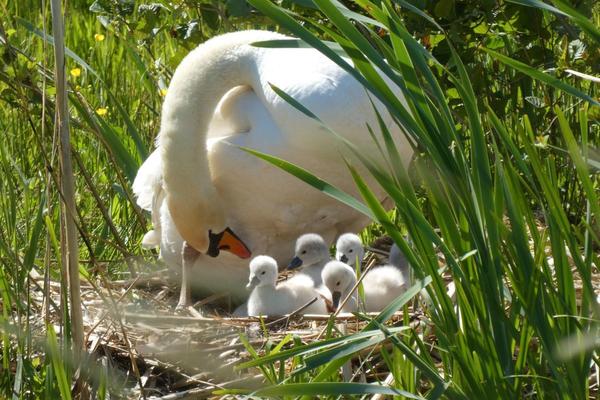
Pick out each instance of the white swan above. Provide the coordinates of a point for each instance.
(268, 299)
(349, 249)
(201, 188)
(381, 285)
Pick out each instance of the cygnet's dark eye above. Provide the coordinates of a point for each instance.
(262, 273)
(350, 251)
(338, 283)
(303, 251)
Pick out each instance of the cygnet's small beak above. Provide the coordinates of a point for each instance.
(335, 297)
(253, 282)
(228, 241)
(295, 263)
(343, 258)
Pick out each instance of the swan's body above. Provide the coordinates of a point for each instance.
(200, 181)
(381, 285)
(267, 298)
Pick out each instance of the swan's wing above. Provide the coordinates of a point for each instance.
(148, 181)
(150, 195)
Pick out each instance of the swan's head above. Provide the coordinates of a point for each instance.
(263, 272)
(310, 249)
(349, 249)
(339, 278)
(206, 232)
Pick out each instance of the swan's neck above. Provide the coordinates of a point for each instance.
(198, 84)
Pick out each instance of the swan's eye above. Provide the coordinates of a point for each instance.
(338, 283)
(262, 273)
(303, 251)
(350, 251)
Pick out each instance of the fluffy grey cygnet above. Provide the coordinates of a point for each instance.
(311, 255)
(268, 298)
(349, 249)
(381, 285)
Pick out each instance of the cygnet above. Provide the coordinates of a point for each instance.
(381, 285)
(339, 278)
(399, 260)
(311, 254)
(349, 249)
(267, 298)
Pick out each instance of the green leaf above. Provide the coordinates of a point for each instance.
(57, 362)
(331, 389)
(580, 163)
(541, 76)
(565, 10)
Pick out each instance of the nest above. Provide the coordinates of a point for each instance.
(145, 350)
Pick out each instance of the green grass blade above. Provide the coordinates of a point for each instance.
(134, 133)
(343, 352)
(297, 44)
(307, 349)
(57, 363)
(331, 389)
(565, 10)
(313, 181)
(111, 139)
(541, 76)
(580, 164)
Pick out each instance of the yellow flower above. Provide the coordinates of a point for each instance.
(102, 111)
(76, 72)
(77, 88)
(98, 37)
(163, 92)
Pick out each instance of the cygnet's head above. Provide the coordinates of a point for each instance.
(310, 249)
(263, 272)
(339, 278)
(349, 249)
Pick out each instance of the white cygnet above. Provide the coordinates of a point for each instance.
(267, 298)
(381, 285)
(399, 260)
(339, 278)
(311, 254)
(349, 249)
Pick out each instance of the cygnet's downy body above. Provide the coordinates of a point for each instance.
(311, 255)
(267, 298)
(399, 260)
(349, 249)
(381, 285)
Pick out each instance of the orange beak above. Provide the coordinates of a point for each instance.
(228, 241)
